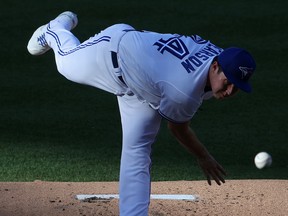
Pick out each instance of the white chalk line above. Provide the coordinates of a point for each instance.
(87, 197)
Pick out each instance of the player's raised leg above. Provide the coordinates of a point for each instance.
(140, 126)
(87, 63)
(38, 44)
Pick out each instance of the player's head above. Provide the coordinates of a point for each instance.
(238, 66)
(230, 71)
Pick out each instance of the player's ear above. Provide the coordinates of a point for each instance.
(215, 67)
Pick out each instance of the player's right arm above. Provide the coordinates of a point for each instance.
(186, 136)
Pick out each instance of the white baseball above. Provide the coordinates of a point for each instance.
(263, 159)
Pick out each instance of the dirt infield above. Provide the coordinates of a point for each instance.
(244, 197)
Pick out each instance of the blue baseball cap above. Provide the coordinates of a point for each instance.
(238, 65)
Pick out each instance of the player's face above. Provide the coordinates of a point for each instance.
(221, 87)
(224, 89)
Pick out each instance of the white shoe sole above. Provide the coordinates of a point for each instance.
(37, 44)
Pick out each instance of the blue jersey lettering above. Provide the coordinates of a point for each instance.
(177, 48)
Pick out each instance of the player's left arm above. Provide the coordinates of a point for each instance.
(186, 136)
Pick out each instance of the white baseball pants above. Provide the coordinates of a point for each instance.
(90, 63)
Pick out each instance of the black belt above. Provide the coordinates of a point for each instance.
(116, 65)
(114, 59)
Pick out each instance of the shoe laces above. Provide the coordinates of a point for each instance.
(41, 40)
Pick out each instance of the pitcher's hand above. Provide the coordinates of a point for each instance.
(212, 169)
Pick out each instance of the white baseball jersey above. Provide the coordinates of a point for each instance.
(168, 71)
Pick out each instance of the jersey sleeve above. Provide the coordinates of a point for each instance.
(176, 106)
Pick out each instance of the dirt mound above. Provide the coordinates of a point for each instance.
(235, 197)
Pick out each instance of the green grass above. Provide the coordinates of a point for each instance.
(52, 129)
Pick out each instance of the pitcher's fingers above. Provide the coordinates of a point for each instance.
(207, 176)
(209, 179)
(217, 177)
(221, 169)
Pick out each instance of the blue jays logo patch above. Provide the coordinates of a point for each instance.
(246, 73)
(173, 45)
(197, 39)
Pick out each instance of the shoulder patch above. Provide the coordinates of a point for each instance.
(197, 39)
